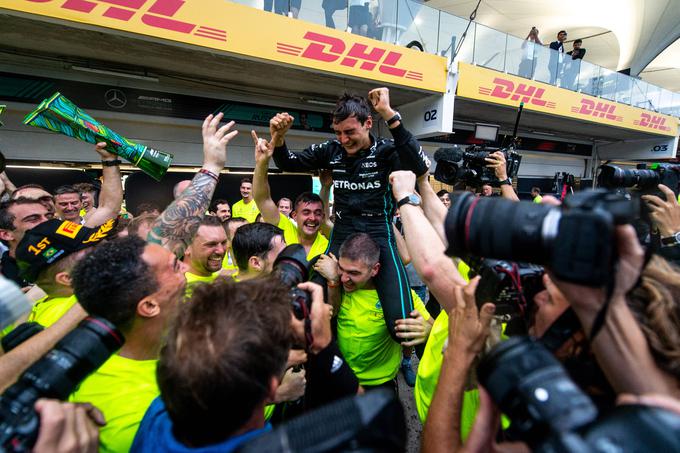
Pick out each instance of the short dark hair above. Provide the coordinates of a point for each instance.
(228, 222)
(442, 192)
(62, 190)
(580, 41)
(85, 187)
(308, 197)
(245, 338)
(246, 179)
(536, 189)
(147, 207)
(360, 247)
(112, 279)
(253, 239)
(214, 204)
(349, 105)
(210, 221)
(562, 31)
(6, 217)
(136, 223)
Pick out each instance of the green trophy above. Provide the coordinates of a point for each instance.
(58, 114)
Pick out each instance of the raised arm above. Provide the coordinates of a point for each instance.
(497, 162)
(326, 179)
(435, 211)
(112, 189)
(175, 227)
(261, 193)
(313, 158)
(410, 153)
(437, 270)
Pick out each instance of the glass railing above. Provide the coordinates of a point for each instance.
(408, 22)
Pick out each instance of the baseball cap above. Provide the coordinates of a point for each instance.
(53, 240)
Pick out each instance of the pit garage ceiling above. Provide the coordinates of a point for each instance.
(618, 34)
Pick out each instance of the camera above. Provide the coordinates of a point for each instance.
(469, 167)
(292, 268)
(643, 179)
(55, 375)
(552, 414)
(510, 286)
(576, 241)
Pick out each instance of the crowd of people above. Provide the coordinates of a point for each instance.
(217, 349)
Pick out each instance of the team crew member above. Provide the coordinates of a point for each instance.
(205, 254)
(362, 336)
(221, 209)
(536, 195)
(246, 206)
(309, 208)
(285, 206)
(361, 164)
(47, 255)
(230, 226)
(255, 247)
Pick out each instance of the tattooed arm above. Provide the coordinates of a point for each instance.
(175, 227)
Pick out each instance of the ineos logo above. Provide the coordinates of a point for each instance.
(115, 98)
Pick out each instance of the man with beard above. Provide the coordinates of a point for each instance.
(308, 213)
(204, 255)
(246, 207)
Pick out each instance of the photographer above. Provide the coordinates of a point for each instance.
(665, 215)
(497, 162)
(217, 400)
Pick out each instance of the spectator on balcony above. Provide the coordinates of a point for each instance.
(573, 65)
(330, 7)
(526, 66)
(359, 17)
(557, 57)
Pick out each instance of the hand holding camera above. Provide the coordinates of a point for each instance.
(497, 162)
(665, 214)
(319, 317)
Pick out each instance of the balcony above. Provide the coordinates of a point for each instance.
(406, 22)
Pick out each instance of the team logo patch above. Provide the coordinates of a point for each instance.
(69, 229)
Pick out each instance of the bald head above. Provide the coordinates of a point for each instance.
(180, 187)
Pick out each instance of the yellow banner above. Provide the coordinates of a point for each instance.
(499, 88)
(227, 26)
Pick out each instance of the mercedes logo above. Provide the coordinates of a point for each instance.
(115, 98)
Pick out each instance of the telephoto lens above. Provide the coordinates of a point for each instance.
(613, 177)
(532, 388)
(576, 242)
(293, 268)
(55, 375)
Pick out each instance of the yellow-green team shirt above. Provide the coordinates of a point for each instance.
(364, 339)
(193, 280)
(122, 389)
(538, 199)
(247, 211)
(229, 262)
(48, 310)
(290, 234)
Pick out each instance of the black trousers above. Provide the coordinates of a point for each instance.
(391, 282)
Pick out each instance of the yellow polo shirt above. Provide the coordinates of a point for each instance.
(290, 234)
(48, 310)
(364, 339)
(247, 211)
(193, 280)
(122, 389)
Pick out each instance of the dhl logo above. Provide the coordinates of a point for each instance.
(652, 122)
(597, 109)
(529, 94)
(329, 49)
(157, 13)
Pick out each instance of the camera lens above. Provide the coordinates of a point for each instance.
(534, 390)
(613, 177)
(499, 228)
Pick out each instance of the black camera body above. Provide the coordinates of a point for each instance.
(293, 268)
(552, 414)
(55, 375)
(469, 167)
(510, 286)
(575, 241)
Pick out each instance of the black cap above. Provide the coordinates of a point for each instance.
(53, 240)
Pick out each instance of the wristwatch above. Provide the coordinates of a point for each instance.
(412, 199)
(671, 240)
(505, 182)
(394, 119)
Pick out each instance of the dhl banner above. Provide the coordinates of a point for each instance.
(239, 29)
(492, 86)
